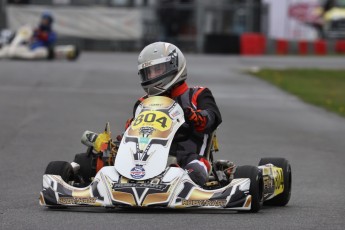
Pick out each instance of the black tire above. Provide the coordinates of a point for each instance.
(86, 170)
(283, 198)
(60, 168)
(253, 173)
(51, 54)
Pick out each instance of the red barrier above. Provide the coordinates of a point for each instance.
(253, 44)
(340, 46)
(303, 47)
(282, 47)
(320, 47)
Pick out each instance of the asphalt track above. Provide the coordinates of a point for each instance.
(45, 106)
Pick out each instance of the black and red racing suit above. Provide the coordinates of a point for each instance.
(190, 153)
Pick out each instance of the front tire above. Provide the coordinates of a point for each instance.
(255, 190)
(60, 168)
(283, 198)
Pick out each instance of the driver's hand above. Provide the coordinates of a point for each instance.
(195, 118)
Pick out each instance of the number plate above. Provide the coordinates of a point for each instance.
(156, 119)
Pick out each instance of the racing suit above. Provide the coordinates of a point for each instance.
(43, 37)
(190, 153)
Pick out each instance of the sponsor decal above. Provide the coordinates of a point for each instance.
(159, 187)
(146, 131)
(77, 200)
(268, 183)
(278, 180)
(155, 105)
(146, 64)
(137, 172)
(175, 114)
(204, 203)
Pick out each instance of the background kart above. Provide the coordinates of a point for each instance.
(144, 175)
(15, 46)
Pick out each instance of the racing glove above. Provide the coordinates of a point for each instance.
(195, 118)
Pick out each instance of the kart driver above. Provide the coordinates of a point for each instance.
(163, 71)
(44, 36)
(39, 46)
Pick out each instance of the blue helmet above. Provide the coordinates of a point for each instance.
(48, 16)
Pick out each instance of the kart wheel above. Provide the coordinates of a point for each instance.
(86, 169)
(74, 54)
(51, 54)
(283, 198)
(255, 190)
(60, 168)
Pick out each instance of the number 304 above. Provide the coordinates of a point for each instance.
(150, 117)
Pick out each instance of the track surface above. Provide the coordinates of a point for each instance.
(45, 107)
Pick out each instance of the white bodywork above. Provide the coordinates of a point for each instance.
(141, 177)
(19, 49)
(106, 186)
(157, 153)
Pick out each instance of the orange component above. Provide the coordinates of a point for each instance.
(99, 164)
(201, 123)
(104, 146)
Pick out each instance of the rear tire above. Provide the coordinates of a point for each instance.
(255, 190)
(283, 198)
(60, 168)
(74, 55)
(51, 54)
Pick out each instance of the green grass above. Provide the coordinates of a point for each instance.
(325, 88)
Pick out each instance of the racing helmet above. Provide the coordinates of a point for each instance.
(161, 65)
(48, 17)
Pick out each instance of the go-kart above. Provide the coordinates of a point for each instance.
(16, 46)
(137, 171)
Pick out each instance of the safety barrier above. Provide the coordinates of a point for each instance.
(302, 47)
(340, 47)
(282, 47)
(253, 44)
(258, 44)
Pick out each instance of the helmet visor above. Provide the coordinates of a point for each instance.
(158, 69)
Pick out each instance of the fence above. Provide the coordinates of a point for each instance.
(196, 26)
